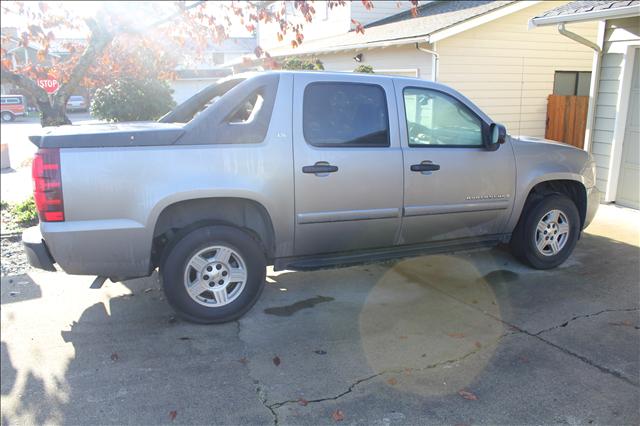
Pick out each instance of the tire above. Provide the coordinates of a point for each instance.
(7, 117)
(548, 246)
(210, 258)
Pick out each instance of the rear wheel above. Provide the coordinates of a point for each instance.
(547, 232)
(213, 274)
(7, 116)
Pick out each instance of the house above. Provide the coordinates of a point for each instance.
(327, 21)
(194, 74)
(613, 120)
(482, 48)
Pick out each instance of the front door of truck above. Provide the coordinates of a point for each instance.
(454, 188)
(347, 163)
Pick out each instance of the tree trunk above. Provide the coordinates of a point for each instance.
(53, 114)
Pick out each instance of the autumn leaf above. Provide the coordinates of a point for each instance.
(403, 337)
(114, 356)
(276, 360)
(243, 361)
(392, 381)
(477, 344)
(467, 395)
(625, 323)
(303, 402)
(456, 335)
(173, 414)
(338, 416)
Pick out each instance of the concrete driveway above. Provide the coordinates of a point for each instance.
(461, 339)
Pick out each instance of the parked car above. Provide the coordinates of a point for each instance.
(11, 106)
(76, 103)
(357, 168)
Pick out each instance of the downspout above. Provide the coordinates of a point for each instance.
(434, 63)
(595, 78)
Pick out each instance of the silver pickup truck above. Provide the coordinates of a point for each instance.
(299, 170)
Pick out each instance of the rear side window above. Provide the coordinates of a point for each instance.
(11, 101)
(345, 114)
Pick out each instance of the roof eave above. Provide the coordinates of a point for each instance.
(594, 15)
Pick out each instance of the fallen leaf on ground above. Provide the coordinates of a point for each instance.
(392, 381)
(477, 344)
(114, 356)
(404, 337)
(303, 402)
(173, 414)
(338, 416)
(408, 371)
(467, 395)
(276, 360)
(625, 323)
(456, 335)
(243, 361)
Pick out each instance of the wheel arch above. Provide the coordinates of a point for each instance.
(184, 215)
(568, 186)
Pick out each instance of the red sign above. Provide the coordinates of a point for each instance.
(50, 85)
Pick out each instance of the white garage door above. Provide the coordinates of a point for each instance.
(629, 181)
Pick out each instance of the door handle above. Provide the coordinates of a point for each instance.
(319, 168)
(425, 167)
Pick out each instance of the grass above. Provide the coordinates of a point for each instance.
(25, 213)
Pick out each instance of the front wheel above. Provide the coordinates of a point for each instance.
(547, 232)
(213, 274)
(7, 116)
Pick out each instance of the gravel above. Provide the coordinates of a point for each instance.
(14, 261)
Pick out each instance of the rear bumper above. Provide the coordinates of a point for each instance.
(593, 202)
(36, 250)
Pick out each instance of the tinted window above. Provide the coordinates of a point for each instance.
(345, 114)
(435, 118)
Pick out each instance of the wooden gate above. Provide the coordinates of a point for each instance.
(567, 119)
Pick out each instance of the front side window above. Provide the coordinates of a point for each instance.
(345, 114)
(437, 119)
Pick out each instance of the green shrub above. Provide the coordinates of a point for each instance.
(25, 213)
(365, 69)
(294, 63)
(132, 100)
(4, 205)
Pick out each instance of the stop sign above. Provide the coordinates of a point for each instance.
(50, 85)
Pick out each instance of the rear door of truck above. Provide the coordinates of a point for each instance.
(347, 163)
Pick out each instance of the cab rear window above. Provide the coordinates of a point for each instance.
(345, 115)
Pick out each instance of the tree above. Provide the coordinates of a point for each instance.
(294, 63)
(132, 100)
(177, 23)
(365, 69)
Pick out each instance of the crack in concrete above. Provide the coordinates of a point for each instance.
(350, 389)
(560, 348)
(564, 324)
(260, 391)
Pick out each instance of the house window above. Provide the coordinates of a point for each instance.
(571, 83)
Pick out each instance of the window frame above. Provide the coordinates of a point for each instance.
(484, 126)
(346, 145)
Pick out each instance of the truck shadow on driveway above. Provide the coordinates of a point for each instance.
(472, 337)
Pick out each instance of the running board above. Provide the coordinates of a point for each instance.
(338, 260)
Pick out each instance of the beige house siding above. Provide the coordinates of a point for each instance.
(508, 70)
(401, 60)
(618, 34)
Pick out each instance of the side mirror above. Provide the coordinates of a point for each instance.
(497, 136)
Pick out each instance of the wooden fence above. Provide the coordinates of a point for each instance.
(567, 119)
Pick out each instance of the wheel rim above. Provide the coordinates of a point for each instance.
(215, 276)
(552, 233)
(6, 117)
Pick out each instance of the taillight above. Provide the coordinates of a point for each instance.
(47, 185)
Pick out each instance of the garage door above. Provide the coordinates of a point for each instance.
(629, 181)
